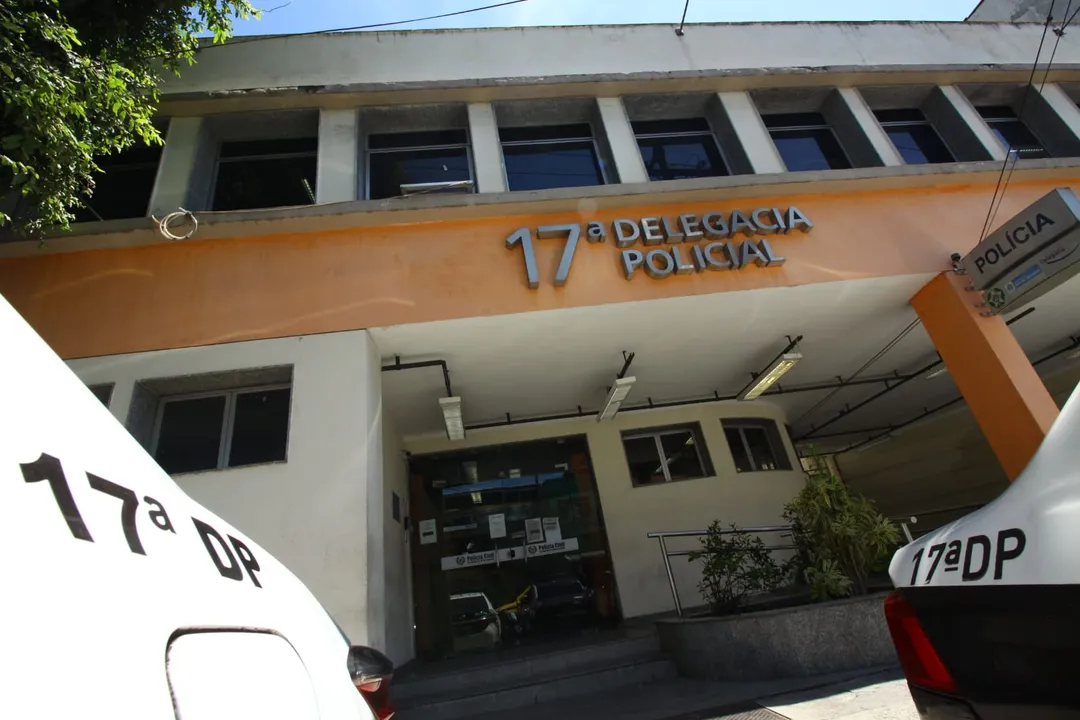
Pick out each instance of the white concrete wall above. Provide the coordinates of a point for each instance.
(398, 567)
(442, 56)
(747, 499)
(311, 511)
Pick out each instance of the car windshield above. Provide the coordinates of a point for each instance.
(468, 605)
(558, 588)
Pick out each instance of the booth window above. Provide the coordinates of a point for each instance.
(1013, 133)
(679, 149)
(756, 445)
(806, 141)
(660, 455)
(211, 431)
(123, 185)
(418, 162)
(550, 156)
(913, 136)
(102, 392)
(254, 174)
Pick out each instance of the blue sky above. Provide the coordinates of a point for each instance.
(310, 15)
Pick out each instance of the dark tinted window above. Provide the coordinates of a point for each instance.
(738, 450)
(756, 445)
(794, 120)
(260, 427)
(265, 174)
(1013, 133)
(189, 436)
(533, 133)
(644, 460)
(391, 141)
(123, 186)
(687, 125)
(388, 171)
(810, 149)
(552, 165)
(918, 144)
(679, 157)
(681, 455)
(900, 115)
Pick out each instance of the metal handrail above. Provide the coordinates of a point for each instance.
(903, 521)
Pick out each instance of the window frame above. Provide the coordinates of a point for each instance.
(227, 424)
(824, 125)
(925, 122)
(694, 428)
(687, 134)
(369, 151)
(212, 193)
(1011, 117)
(600, 165)
(772, 432)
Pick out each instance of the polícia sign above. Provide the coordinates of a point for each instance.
(672, 245)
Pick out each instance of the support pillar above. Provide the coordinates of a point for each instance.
(999, 383)
(336, 177)
(486, 149)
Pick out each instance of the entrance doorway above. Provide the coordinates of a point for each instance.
(512, 548)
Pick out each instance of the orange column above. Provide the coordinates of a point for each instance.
(999, 383)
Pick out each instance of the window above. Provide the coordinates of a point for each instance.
(438, 160)
(679, 149)
(552, 156)
(806, 142)
(914, 137)
(666, 454)
(756, 445)
(123, 186)
(103, 393)
(253, 174)
(222, 430)
(1013, 133)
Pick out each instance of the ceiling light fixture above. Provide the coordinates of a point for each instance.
(764, 381)
(616, 394)
(451, 411)
(936, 371)
(1074, 355)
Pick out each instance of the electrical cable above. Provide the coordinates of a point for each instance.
(163, 224)
(877, 356)
(995, 200)
(1058, 35)
(372, 26)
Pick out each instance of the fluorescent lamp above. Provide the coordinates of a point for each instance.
(451, 412)
(1075, 355)
(767, 379)
(937, 371)
(442, 186)
(615, 397)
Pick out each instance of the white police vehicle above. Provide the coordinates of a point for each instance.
(986, 613)
(123, 598)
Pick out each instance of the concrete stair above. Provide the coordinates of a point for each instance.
(517, 683)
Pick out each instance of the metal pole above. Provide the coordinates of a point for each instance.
(670, 577)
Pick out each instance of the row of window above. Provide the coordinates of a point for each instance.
(257, 174)
(249, 426)
(667, 454)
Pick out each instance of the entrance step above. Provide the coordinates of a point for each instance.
(515, 683)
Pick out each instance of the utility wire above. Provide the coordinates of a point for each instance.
(241, 41)
(877, 356)
(995, 200)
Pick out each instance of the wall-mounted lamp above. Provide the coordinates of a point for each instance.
(772, 374)
(618, 392)
(451, 410)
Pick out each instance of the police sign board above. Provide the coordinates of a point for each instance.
(1036, 276)
(1026, 234)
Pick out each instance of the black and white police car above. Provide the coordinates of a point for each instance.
(986, 612)
(122, 598)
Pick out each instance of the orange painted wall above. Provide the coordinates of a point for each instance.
(183, 294)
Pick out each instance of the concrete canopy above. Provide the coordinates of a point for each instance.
(547, 363)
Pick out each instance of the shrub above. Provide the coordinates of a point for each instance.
(839, 535)
(734, 566)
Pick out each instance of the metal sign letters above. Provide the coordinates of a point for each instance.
(671, 245)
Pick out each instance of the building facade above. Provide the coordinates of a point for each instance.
(468, 311)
